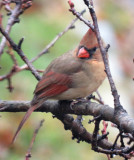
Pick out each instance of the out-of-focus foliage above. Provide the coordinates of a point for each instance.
(39, 25)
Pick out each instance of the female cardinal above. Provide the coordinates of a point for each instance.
(75, 74)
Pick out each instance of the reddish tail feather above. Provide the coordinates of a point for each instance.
(26, 116)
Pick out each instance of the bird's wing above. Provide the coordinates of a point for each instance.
(52, 84)
(57, 78)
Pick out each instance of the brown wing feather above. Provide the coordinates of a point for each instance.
(52, 84)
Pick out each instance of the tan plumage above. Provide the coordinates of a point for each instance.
(75, 74)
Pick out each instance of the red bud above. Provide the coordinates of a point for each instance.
(71, 4)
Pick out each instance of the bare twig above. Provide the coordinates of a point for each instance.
(14, 14)
(7, 76)
(97, 100)
(28, 154)
(103, 50)
(115, 94)
(95, 134)
(79, 16)
(0, 20)
(79, 132)
(46, 49)
(100, 98)
(11, 53)
(108, 156)
(15, 69)
(21, 54)
(115, 142)
(10, 87)
(20, 7)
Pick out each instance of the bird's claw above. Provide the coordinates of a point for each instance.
(78, 100)
(90, 97)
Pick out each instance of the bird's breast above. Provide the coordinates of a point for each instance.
(84, 82)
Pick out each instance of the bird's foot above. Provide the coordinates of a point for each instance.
(78, 100)
(72, 104)
(90, 97)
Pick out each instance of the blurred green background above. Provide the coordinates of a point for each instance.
(39, 25)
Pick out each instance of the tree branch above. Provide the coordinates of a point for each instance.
(79, 132)
(79, 16)
(114, 91)
(46, 49)
(123, 121)
(28, 154)
(20, 7)
(21, 54)
(15, 69)
(60, 110)
(103, 50)
(14, 14)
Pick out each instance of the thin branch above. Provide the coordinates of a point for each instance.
(103, 50)
(46, 49)
(79, 132)
(115, 152)
(15, 69)
(14, 14)
(95, 133)
(108, 156)
(10, 87)
(115, 142)
(115, 94)
(97, 100)
(21, 54)
(8, 75)
(100, 98)
(79, 16)
(28, 154)
(11, 53)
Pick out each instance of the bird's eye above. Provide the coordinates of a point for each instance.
(94, 49)
(83, 53)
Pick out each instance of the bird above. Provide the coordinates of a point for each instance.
(75, 74)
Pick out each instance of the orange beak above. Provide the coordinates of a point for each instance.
(83, 53)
